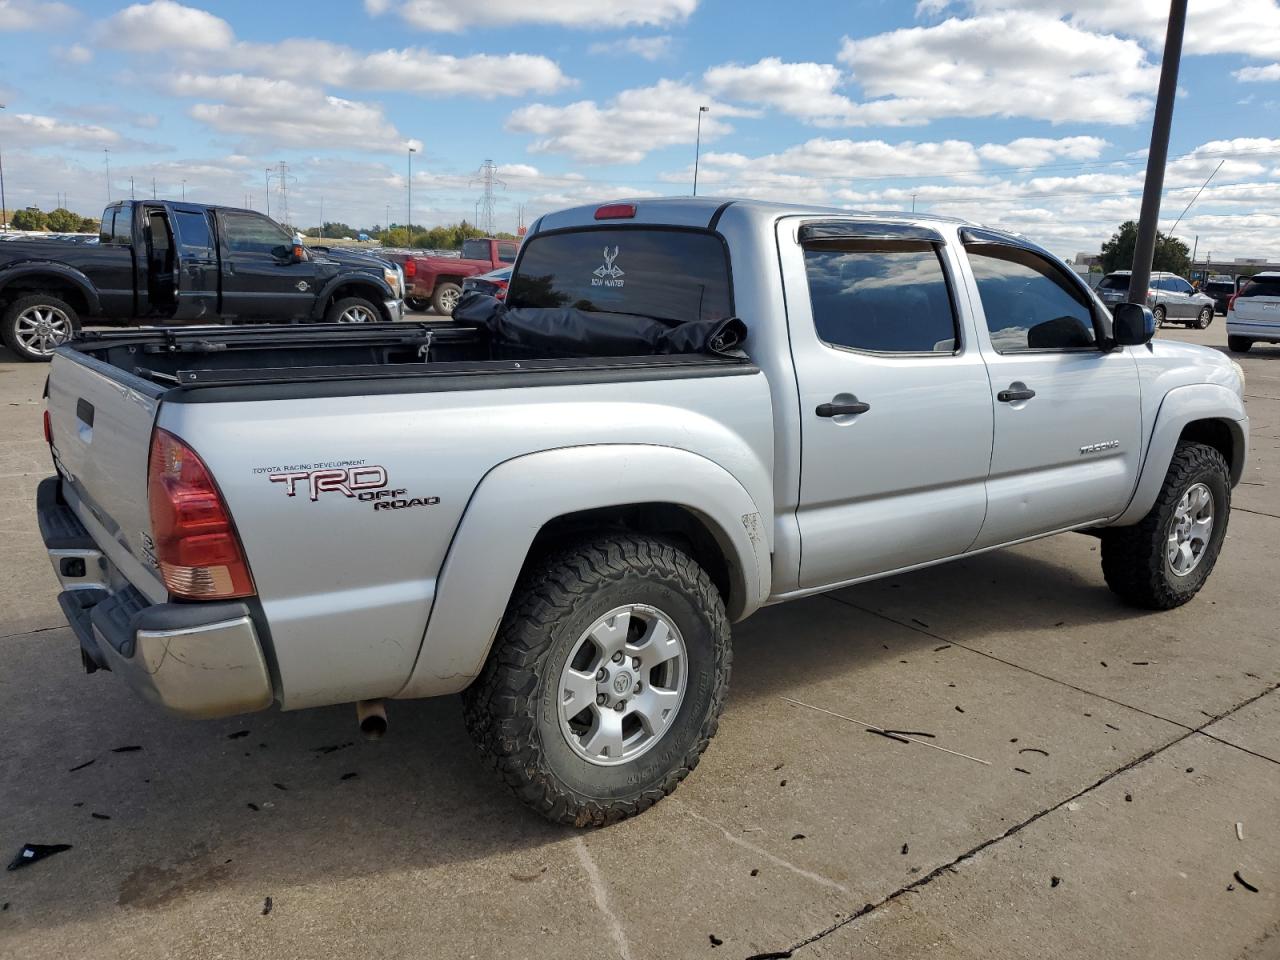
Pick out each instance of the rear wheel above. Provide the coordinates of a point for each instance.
(1163, 561)
(352, 310)
(36, 325)
(445, 298)
(606, 680)
(1205, 318)
(1239, 344)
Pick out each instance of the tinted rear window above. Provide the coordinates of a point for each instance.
(1219, 286)
(1261, 287)
(193, 229)
(1114, 283)
(667, 274)
(475, 249)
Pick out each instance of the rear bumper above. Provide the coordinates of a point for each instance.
(193, 659)
(1255, 330)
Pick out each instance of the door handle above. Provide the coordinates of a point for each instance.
(1017, 391)
(842, 408)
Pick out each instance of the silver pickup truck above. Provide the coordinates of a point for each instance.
(561, 525)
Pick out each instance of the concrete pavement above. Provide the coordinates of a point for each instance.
(1120, 750)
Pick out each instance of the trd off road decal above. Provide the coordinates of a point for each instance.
(608, 274)
(353, 479)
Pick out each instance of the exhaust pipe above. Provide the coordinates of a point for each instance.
(371, 715)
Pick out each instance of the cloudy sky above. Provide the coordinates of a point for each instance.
(1030, 114)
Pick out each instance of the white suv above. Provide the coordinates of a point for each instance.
(1253, 314)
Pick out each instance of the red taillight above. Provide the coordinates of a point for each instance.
(196, 546)
(410, 268)
(48, 429)
(1231, 304)
(616, 211)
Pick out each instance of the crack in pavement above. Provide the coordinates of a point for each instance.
(1018, 827)
(1256, 513)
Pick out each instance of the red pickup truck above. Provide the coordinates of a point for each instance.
(437, 281)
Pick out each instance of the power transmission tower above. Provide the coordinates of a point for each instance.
(280, 173)
(487, 176)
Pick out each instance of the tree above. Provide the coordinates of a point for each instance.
(88, 225)
(62, 220)
(32, 218)
(1171, 254)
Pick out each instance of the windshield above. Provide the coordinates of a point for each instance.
(1261, 287)
(1114, 282)
(667, 274)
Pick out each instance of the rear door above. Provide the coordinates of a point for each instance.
(1067, 414)
(895, 405)
(197, 265)
(1177, 295)
(258, 279)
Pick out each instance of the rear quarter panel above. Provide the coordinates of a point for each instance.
(347, 589)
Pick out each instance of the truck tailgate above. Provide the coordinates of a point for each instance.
(101, 419)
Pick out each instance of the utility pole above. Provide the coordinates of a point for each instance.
(697, 150)
(409, 201)
(322, 218)
(267, 192)
(386, 225)
(153, 188)
(131, 195)
(106, 158)
(1158, 155)
(184, 189)
(283, 176)
(913, 203)
(1194, 247)
(4, 210)
(487, 176)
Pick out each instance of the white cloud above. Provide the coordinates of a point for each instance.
(1007, 64)
(1213, 26)
(451, 16)
(265, 112)
(804, 90)
(1036, 151)
(631, 125)
(32, 14)
(1258, 74)
(34, 130)
(648, 48)
(165, 25)
(75, 54)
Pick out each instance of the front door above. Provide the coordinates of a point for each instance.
(260, 280)
(1176, 296)
(895, 406)
(1067, 414)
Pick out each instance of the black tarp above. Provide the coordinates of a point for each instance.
(567, 332)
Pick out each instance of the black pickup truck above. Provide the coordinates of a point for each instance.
(160, 262)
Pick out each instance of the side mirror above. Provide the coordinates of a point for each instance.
(1133, 324)
(293, 254)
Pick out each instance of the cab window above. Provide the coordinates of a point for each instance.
(247, 233)
(1029, 304)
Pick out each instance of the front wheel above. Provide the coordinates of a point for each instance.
(1163, 561)
(36, 325)
(1159, 313)
(352, 310)
(606, 680)
(1239, 344)
(1205, 318)
(419, 304)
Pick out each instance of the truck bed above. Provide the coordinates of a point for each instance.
(260, 362)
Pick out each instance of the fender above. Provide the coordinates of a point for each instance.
(354, 276)
(517, 498)
(1181, 406)
(53, 268)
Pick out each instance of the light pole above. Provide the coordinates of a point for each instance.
(266, 178)
(697, 150)
(4, 210)
(1158, 153)
(322, 218)
(409, 185)
(184, 189)
(106, 158)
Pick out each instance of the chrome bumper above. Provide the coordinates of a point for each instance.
(193, 659)
(394, 308)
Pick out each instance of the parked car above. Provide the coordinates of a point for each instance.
(560, 514)
(1221, 289)
(436, 281)
(164, 262)
(1169, 296)
(491, 284)
(1253, 316)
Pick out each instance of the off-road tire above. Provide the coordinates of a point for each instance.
(441, 296)
(1134, 560)
(511, 710)
(1239, 344)
(9, 324)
